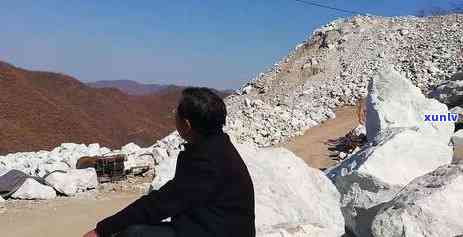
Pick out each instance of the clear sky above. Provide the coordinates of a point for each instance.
(216, 43)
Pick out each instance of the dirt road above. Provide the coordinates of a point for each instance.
(62, 217)
(312, 145)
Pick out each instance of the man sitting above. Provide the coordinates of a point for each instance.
(212, 192)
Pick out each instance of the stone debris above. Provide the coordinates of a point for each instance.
(429, 206)
(450, 92)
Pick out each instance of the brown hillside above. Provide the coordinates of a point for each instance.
(40, 110)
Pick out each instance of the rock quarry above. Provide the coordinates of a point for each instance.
(401, 183)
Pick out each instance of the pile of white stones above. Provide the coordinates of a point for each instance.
(332, 68)
(64, 158)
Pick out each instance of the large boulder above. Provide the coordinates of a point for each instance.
(402, 146)
(457, 138)
(46, 168)
(430, 206)
(378, 171)
(450, 92)
(31, 190)
(165, 170)
(292, 199)
(393, 101)
(73, 181)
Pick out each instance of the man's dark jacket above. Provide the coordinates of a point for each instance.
(211, 195)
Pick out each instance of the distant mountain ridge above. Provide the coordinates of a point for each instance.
(128, 86)
(136, 88)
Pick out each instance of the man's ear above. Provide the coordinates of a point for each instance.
(188, 124)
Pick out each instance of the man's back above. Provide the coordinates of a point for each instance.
(230, 209)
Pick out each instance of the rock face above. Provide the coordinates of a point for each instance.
(450, 92)
(429, 206)
(292, 199)
(393, 101)
(73, 181)
(401, 147)
(32, 190)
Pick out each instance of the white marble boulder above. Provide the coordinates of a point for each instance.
(393, 101)
(402, 146)
(32, 190)
(430, 206)
(73, 181)
(377, 172)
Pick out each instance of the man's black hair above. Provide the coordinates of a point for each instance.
(204, 109)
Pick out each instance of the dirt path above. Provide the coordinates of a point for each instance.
(60, 217)
(312, 145)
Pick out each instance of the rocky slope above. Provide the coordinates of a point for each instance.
(332, 67)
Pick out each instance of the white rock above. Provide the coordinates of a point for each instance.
(31, 190)
(73, 181)
(450, 92)
(165, 171)
(1, 200)
(247, 102)
(360, 130)
(457, 138)
(68, 146)
(130, 148)
(48, 168)
(160, 153)
(457, 110)
(139, 160)
(104, 151)
(430, 206)
(393, 101)
(289, 194)
(374, 174)
(247, 89)
(342, 155)
(63, 183)
(93, 149)
(292, 199)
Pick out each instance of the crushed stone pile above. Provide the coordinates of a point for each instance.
(332, 68)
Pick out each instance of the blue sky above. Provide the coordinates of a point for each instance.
(213, 43)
